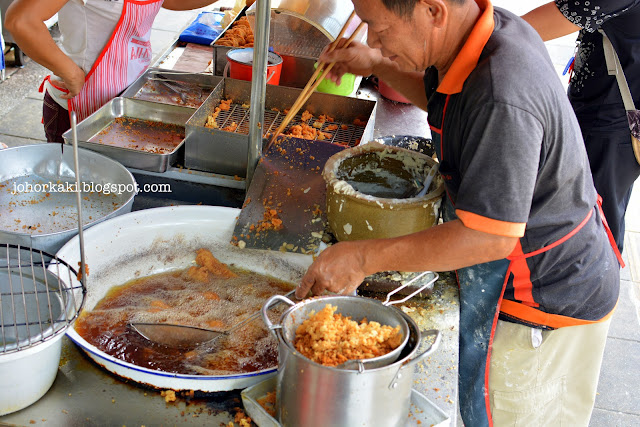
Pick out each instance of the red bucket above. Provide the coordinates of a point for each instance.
(240, 62)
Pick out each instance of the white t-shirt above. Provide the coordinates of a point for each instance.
(85, 26)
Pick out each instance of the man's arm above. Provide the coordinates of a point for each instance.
(342, 267)
(549, 22)
(186, 4)
(25, 21)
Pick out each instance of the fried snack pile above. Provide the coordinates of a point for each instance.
(313, 131)
(225, 105)
(239, 35)
(208, 264)
(305, 131)
(331, 339)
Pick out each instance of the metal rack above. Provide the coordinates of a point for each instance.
(39, 297)
(345, 134)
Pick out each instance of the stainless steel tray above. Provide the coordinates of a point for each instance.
(214, 150)
(134, 109)
(422, 412)
(38, 199)
(140, 89)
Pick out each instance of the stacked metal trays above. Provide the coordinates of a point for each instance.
(214, 150)
(130, 107)
(224, 152)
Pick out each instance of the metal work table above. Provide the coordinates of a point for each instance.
(84, 394)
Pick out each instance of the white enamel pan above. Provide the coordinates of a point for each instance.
(152, 241)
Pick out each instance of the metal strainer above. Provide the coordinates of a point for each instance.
(38, 297)
(357, 308)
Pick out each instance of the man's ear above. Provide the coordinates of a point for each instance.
(436, 10)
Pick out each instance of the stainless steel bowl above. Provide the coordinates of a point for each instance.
(37, 194)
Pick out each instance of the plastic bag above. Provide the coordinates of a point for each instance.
(230, 15)
(204, 29)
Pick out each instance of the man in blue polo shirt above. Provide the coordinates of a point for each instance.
(537, 271)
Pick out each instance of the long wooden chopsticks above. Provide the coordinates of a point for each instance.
(314, 81)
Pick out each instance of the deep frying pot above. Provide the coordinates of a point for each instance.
(309, 394)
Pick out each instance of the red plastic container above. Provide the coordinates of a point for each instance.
(240, 63)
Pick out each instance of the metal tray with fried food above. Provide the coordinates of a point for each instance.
(139, 134)
(218, 141)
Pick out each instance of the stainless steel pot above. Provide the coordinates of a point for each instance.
(37, 305)
(310, 394)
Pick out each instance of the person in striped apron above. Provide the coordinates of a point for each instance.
(104, 47)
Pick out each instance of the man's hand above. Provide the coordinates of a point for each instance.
(356, 59)
(73, 82)
(339, 269)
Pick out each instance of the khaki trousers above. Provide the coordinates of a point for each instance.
(545, 378)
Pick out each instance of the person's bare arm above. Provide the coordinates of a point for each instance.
(342, 267)
(186, 4)
(25, 21)
(549, 22)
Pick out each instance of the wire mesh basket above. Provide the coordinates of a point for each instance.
(40, 296)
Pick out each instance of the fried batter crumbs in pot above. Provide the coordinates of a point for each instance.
(331, 339)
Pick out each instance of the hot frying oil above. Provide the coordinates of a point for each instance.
(182, 297)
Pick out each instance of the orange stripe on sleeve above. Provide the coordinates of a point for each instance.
(491, 226)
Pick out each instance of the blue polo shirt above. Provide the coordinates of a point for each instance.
(514, 164)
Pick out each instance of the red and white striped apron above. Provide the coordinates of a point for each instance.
(126, 55)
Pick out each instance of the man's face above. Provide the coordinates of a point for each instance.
(398, 38)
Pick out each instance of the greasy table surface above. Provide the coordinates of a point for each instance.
(85, 394)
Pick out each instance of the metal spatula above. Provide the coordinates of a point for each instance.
(184, 336)
(293, 185)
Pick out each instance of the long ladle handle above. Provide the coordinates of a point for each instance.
(74, 140)
(258, 313)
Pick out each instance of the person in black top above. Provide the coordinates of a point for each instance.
(595, 95)
(538, 277)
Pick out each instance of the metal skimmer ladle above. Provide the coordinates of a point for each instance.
(184, 336)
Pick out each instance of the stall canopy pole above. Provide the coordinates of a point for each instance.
(258, 85)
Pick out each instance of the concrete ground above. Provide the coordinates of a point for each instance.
(618, 400)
